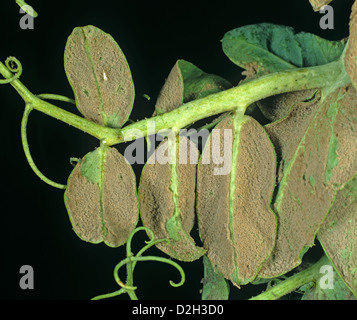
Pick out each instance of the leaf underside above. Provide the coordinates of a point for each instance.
(100, 76)
(101, 198)
(338, 234)
(185, 83)
(236, 224)
(351, 54)
(318, 156)
(167, 197)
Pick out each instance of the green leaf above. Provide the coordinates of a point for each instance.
(317, 147)
(215, 287)
(101, 197)
(185, 83)
(236, 223)
(267, 48)
(338, 234)
(336, 290)
(317, 51)
(99, 75)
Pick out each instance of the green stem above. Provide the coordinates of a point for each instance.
(26, 148)
(27, 8)
(237, 98)
(109, 295)
(311, 274)
(50, 96)
(51, 110)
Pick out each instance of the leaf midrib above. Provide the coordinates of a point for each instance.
(88, 51)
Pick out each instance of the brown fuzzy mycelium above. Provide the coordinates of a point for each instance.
(171, 94)
(324, 159)
(278, 106)
(338, 234)
(119, 199)
(82, 199)
(106, 210)
(287, 132)
(236, 223)
(351, 53)
(213, 206)
(157, 205)
(99, 75)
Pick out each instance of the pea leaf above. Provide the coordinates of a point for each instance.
(236, 223)
(338, 234)
(167, 197)
(336, 290)
(267, 48)
(287, 132)
(199, 84)
(351, 53)
(215, 287)
(318, 157)
(101, 198)
(100, 77)
(279, 106)
(171, 94)
(186, 82)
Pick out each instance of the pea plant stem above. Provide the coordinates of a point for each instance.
(311, 274)
(24, 6)
(237, 98)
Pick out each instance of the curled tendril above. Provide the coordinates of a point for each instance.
(131, 261)
(15, 66)
(27, 152)
(128, 243)
(148, 258)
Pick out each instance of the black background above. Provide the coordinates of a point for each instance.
(34, 225)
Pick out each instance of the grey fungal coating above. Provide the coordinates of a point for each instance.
(101, 198)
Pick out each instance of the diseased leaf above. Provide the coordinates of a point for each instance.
(215, 287)
(172, 92)
(351, 53)
(185, 83)
(278, 106)
(101, 198)
(267, 48)
(235, 221)
(100, 76)
(199, 84)
(167, 197)
(286, 133)
(318, 161)
(338, 234)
